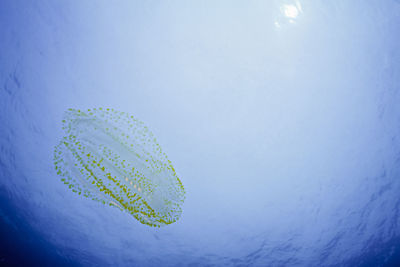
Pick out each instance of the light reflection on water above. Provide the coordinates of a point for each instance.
(289, 13)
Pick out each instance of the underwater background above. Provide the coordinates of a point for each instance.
(282, 119)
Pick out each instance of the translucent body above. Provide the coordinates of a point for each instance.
(113, 158)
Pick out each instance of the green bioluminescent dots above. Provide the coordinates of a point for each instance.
(111, 157)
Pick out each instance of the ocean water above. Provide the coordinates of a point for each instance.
(282, 120)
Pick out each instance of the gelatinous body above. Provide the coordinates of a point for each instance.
(111, 157)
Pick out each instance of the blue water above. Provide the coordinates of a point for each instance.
(282, 119)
